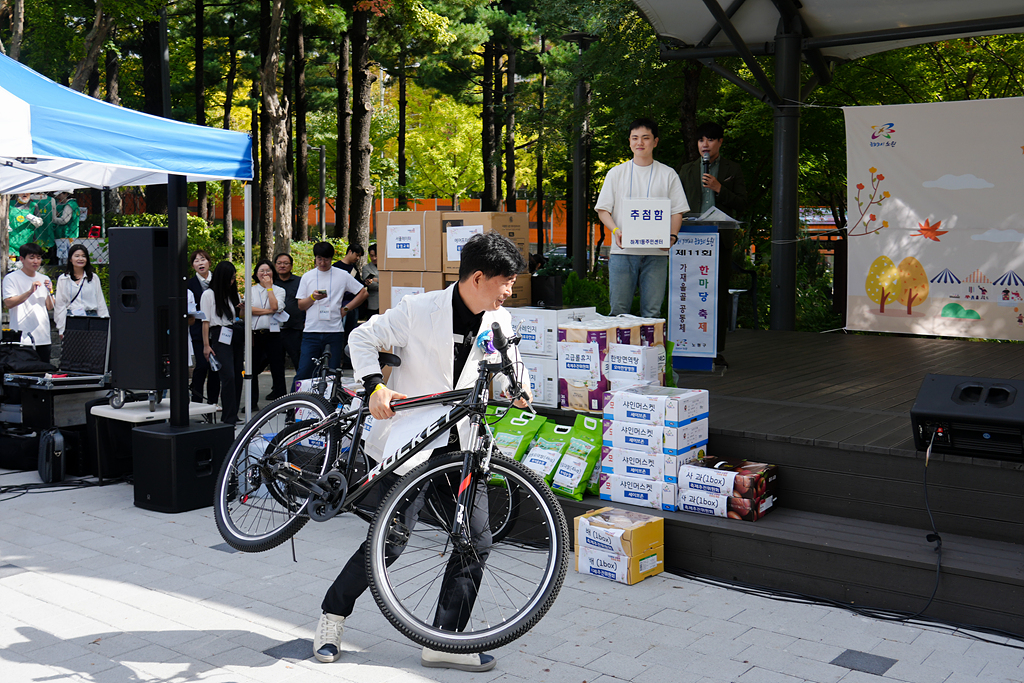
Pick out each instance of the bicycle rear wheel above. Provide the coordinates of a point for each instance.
(254, 509)
(478, 594)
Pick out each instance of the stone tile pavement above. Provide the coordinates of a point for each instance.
(95, 589)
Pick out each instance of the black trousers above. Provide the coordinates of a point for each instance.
(267, 351)
(231, 360)
(291, 340)
(461, 577)
(202, 374)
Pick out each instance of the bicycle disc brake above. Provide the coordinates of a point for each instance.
(323, 507)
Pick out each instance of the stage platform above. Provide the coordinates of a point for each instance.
(833, 411)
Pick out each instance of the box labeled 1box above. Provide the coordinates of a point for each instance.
(619, 531)
(618, 567)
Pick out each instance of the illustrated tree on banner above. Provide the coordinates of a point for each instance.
(907, 283)
(874, 198)
(914, 283)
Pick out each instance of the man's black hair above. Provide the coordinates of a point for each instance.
(644, 123)
(711, 131)
(29, 248)
(372, 247)
(285, 253)
(356, 248)
(493, 255)
(323, 249)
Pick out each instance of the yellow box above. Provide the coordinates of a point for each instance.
(619, 531)
(621, 568)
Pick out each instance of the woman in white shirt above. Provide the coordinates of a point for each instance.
(78, 290)
(219, 305)
(267, 349)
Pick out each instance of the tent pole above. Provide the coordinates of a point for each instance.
(177, 242)
(785, 180)
(103, 211)
(247, 368)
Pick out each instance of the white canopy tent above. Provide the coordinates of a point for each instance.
(821, 33)
(53, 138)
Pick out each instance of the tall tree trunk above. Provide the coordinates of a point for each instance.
(343, 158)
(17, 31)
(288, 94)
(266, 223)
(510, 129)
(277, 139)
(499, 126)
(688, 110)
(301, 138)
(362, 113)
(152, 87)
(402, 199)
(94, 41)
(257, 158)
(113, 80)
(93, 89)
(200, 93)
(489, 200)
(229, 96)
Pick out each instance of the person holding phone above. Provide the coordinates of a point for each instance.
(28, 295)
(320, 295)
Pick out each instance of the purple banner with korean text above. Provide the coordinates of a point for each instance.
(693, 294)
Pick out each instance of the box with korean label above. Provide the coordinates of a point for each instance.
(640, 364)
(620, 568)
(543, 380)
(717, 505)
(658, 495)
(619, 531)
(514, 226)
(737, 478)
(538, 327)
(409, 241)
(679, 440)
(669, 406)
(580, 384)
(395, 285)
(633, 436)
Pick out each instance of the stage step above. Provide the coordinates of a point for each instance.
(848, 560)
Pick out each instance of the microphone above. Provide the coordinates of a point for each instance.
(706, 162)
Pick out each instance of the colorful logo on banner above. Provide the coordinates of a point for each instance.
(883, 131)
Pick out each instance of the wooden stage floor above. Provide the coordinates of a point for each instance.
(847, 391)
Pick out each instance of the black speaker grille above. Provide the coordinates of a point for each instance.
(1002, 440)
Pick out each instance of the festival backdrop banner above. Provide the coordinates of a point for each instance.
(935, 216)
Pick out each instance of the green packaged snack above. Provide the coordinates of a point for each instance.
(554, 436)
(543, 461)
(578, 471)
(514, 433)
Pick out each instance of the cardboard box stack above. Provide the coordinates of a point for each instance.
(457, 227)
(409, 254)
(737, 489)
(620, 545)
(650, 433)
(539, 329)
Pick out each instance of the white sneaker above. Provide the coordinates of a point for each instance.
(327, 641)
(463, 662)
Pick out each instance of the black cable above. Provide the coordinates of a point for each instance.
(934, 536)
(17, 490)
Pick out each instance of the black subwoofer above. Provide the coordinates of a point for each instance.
(139, 308)
(176, 468)
(970, 416)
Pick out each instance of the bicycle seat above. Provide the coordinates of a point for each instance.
(388, 359)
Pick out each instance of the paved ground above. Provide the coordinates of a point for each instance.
(93, 588)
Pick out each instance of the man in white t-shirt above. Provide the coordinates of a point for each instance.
(27, 294)
(640, 177)
(320, 295)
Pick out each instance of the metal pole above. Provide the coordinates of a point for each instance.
(323, 192)
(785, 208)
(247, 367)
(177, 242)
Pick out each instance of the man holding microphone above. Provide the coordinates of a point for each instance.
(28, 294)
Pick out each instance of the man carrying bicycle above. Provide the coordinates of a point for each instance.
(434, 334)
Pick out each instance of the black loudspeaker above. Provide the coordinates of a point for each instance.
(176, 468)
(970, 416)
(139, 308)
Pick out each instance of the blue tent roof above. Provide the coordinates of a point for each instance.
(53, 138)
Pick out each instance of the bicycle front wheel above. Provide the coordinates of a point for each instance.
(256, 510)
(472, 593)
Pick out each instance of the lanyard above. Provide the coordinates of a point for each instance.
(650, 179)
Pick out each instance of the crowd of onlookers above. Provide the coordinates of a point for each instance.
(294, 318)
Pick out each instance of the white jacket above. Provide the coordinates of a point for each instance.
(419, 331)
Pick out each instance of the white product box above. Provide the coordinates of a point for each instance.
(703, 503)
(649, 464)
(677, 407)
(706, 480)
(641, 364)
(539, 326)
(659, 495)
(543, 379)
(634, 436)
(679, 440)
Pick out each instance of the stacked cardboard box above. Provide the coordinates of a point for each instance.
(650, 433)
(457, 227)
(620, 545)
(738, 489)
(538, 328)
(409, 254)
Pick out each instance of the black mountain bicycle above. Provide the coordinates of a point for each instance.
(302, 458)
